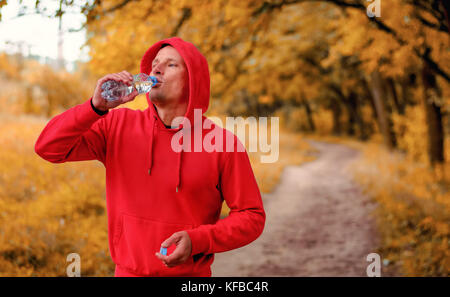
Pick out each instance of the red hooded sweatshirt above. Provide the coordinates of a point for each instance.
(153, 191)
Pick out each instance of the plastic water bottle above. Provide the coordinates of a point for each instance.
(113, 90)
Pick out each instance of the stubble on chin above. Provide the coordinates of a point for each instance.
(157, 97)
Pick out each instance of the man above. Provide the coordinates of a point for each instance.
(157, 195)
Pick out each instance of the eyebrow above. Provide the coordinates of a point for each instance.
(169, 59)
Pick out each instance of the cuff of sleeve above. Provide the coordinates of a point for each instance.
(98, 111)
(200, 242)
(84, 116)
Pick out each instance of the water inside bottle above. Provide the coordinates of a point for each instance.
(143, 86)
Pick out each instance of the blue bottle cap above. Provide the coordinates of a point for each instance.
(153, 79)
(163, 251)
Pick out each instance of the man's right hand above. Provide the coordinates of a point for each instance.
(101, 103)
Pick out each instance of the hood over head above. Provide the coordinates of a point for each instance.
(198, 72)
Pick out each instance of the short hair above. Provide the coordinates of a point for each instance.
(164, 45)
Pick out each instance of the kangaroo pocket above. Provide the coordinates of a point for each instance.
(137, 239)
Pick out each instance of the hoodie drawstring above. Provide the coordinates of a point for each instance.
(179, 172)
(151, 147)
(178, 184)
(179, 161)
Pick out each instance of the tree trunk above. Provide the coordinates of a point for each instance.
(399, 106)
(433, 116)
(351, 116)
(356, 122)
(336, 110)
(406, 94)
(367, 93)
(384, 121)
(309, 117)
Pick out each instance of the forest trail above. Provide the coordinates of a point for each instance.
(319, 223)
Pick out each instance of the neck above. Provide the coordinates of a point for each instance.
(167, 113)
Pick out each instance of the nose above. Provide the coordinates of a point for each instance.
(157, 69)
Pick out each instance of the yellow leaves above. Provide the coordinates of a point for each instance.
(412, 135)
(38, 89)
(119, 42)
(323, 119)
(233, 13)
(264, 99)
(426, 223)
(442, 229)
(357, 35)
(331, 59)
(414, 210)
(48, 211)
(291, 91)
(10, 66)
(139, 103)
(403, 57)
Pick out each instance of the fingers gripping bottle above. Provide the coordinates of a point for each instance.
(113, 90)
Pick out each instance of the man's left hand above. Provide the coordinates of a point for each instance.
(181, 253)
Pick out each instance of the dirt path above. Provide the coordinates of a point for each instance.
(318, 223)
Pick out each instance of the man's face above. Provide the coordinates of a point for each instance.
(170, 69)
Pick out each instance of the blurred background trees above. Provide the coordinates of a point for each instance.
(324, 67)
(287, 57)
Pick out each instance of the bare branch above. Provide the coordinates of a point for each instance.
(266, 7)
(117, 6)
(187, 12)
(439, 27)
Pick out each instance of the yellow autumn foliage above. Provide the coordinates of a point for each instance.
(48, 211)
(413, 213)
(301, 61)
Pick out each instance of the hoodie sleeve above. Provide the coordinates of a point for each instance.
(77, 134)
(246, 219)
